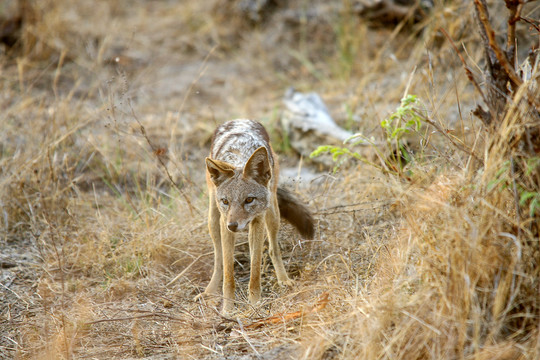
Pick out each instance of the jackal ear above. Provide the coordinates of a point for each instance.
(219, 170)
(258, 166)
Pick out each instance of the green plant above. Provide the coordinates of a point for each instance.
(337, 153)
(533, 199)
(500, 178)
(403, 120)
(406, 119)
(505, 179)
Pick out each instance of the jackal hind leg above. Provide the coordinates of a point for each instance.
(272, 227)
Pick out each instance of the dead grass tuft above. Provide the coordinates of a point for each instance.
(461, 278)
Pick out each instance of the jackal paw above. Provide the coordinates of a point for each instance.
(254, 297)
(228, 309)
(286, 282)
(210, 299)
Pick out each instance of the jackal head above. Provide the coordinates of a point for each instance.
(241, 194)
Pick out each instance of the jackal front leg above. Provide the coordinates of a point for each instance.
(213, 288)
(272, 226)
(256, 240)
(227, 244)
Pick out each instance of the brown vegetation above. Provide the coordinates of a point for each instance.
(106, 111)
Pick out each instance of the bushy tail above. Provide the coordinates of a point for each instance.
(296, 213)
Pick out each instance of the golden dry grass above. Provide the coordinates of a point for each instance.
(443, 265)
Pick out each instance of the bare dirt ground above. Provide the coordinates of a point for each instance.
(104, 104)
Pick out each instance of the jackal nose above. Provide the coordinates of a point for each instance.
(232, 226)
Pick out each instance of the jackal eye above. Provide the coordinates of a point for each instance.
(225, 201)
(249, 200)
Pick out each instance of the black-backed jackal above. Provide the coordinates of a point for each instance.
(242, 177)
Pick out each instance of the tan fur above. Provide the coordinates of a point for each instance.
(244, 197)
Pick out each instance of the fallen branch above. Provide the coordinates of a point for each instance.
(287, 317)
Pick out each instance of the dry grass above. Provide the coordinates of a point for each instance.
(442, 265)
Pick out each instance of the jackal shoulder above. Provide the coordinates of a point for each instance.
(235, 141)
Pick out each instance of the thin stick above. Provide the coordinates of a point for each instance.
(155, 150)
(127, 318)
(468, 70)
(187, 268)
(244, 335)
(456, 144)
(530, 22)
(194, 261)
